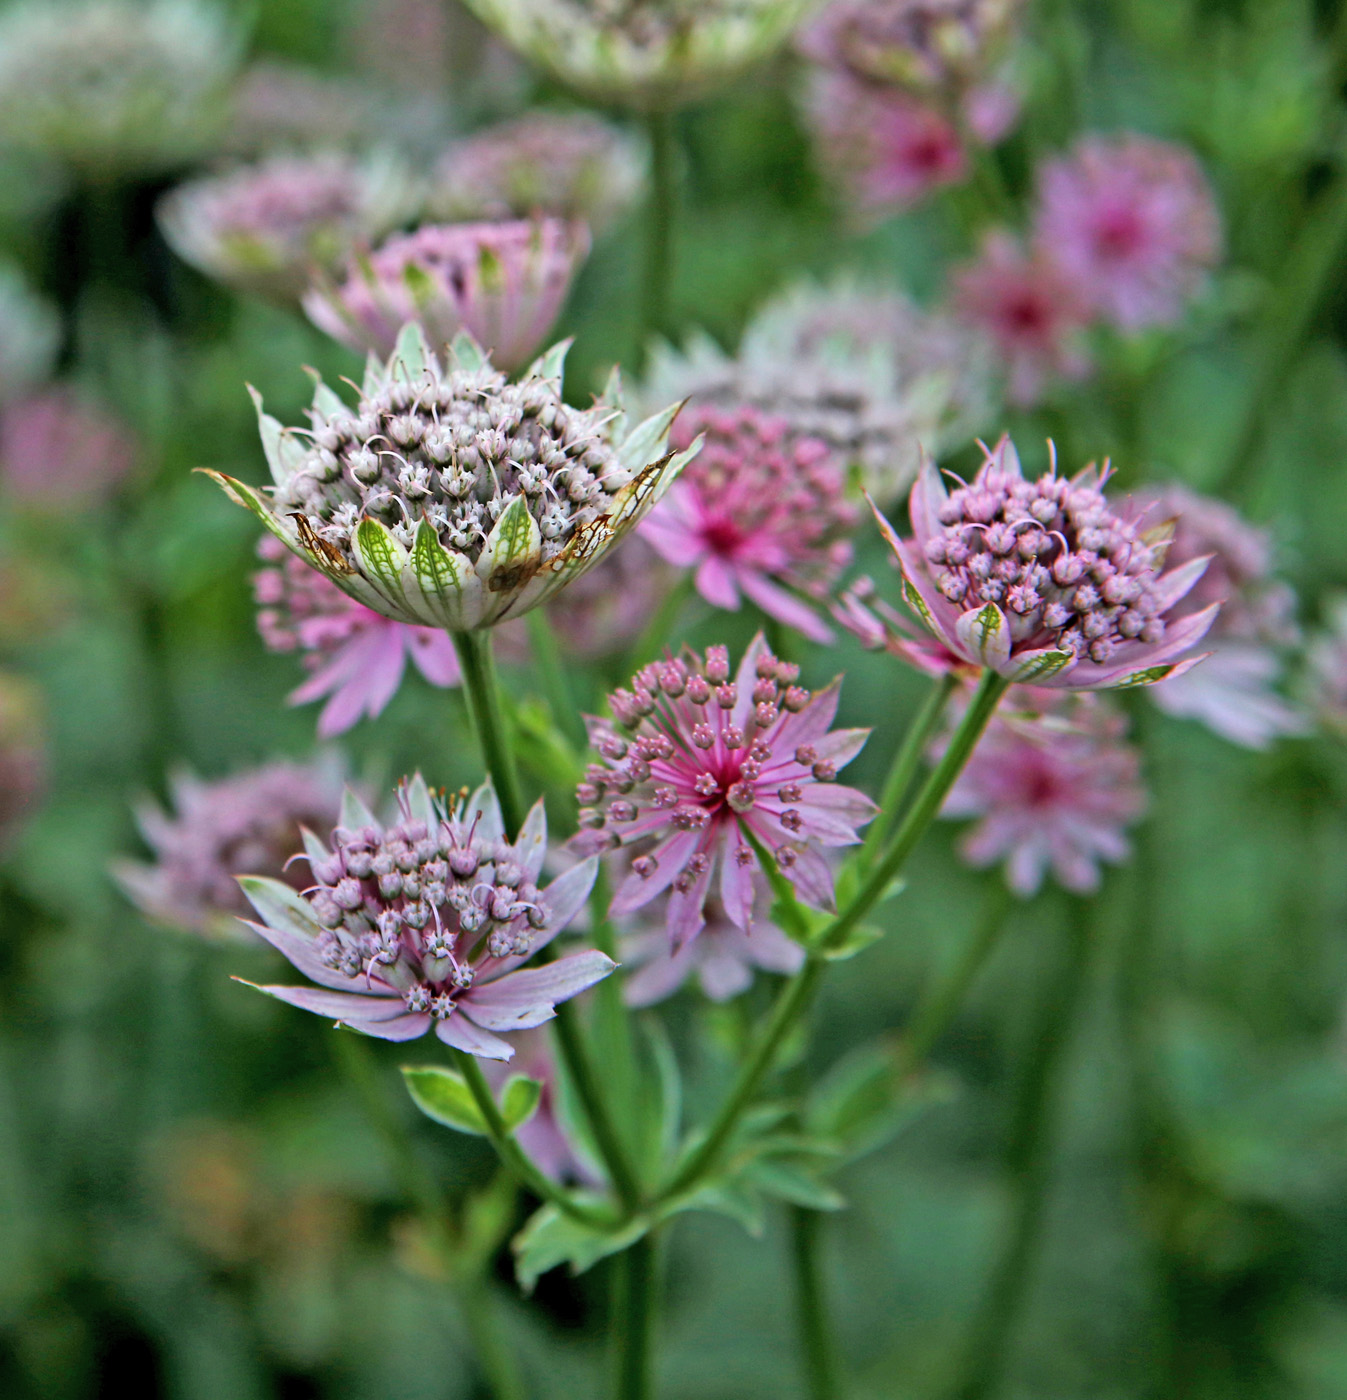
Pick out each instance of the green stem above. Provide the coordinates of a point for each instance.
(509, 1150)
(479, 685)
(816, 1341)
(1029, 1159)
(553, 679)
(636, 1295)
(797, 994)
(658, 269)
(905, 764)
(497, 1361)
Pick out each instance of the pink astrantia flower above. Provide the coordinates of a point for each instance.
(1051, 792)
(59, 451)
(357, 657)
(696, 762)
(1044, 582)
(760, 512)
(248, 822)
(887, 149)
(1134, 222)
(502, 283)
(428, 922)
(1030, 310)
(723, 957)
(1234, 692)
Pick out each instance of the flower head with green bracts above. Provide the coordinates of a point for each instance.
(426, 922)
(647, 54)
(453, 497)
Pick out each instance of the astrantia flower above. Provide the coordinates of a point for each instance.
(761, 506)
(643, 53)
(504, 284)
(59, 451)
(356, 656)
(694, 761)
(1031, 311)
(30, 332)
(267, 228)
(1234, 691)
(1044, 581)
(277, 106)
(115, 85)
(1051, 792)
(428, 922)
(568, 164)
(1134, 222)
(23, 754)
(854, 363)
(607, 610)
(247, 823)
(452, 497)
(723, 957)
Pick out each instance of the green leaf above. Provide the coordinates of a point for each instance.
(550, 1238)
(519, 1100)
(443, 1095)
(789, 1182)
(857, 941)
(735, 1199)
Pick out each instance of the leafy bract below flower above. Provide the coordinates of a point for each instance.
(697, 762)
(428, 922)
(115, 85)
(1033, 314)
(643, 53)
(23, 754)
(723, 957)
(1134, 222)
(451, 497)
(268, 228)
(504, 284)
(30, 333)
(61, 453)
(1234, 691)
(1044, 582)
(356, 656)
(854, 363)
(248, 822)
(1051, 791)
(567, 164)
(760, 507)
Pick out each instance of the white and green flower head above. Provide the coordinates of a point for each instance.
(643, 53)
(453, 497)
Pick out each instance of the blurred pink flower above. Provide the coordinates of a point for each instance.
(1051, 792)
(247, 823)
(693, 761)
(761, 511)
(723, 957)
(607, 610)
(59, 451)
(1043, 581)
(427, 923)
(1234, 691)
(1134, 222)
(1030, 310)
(504, 284)
(23, 754)
(357, 657)
(542, 1137)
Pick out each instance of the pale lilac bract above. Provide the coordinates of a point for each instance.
(694, 762)
(428, 922)
(1234, 692)
(1134, 222)
(1044, 582)
(356, 657)
(504, 284)
(1051, 792)
(760, 512)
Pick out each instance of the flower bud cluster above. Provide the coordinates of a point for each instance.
(422, 905)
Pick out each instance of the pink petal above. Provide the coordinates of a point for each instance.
(812, 879)
(687, 909)
(1177, 583)
(736, 889)
(635, 892)
(809, 725)
(923, 505)
(841, 745)
(434, 655)
(715, 581)
(408, 1027)
(340, 1006)
(302, 954)
(778, 603)
(723, 976)
(521, 1000)
(661, 977)
(459, 1032)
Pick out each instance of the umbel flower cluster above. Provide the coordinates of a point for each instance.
(707, 765)
(452, 497)
(1044, 581)
(428, 921)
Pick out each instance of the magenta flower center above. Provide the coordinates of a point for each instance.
(1119, 232)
